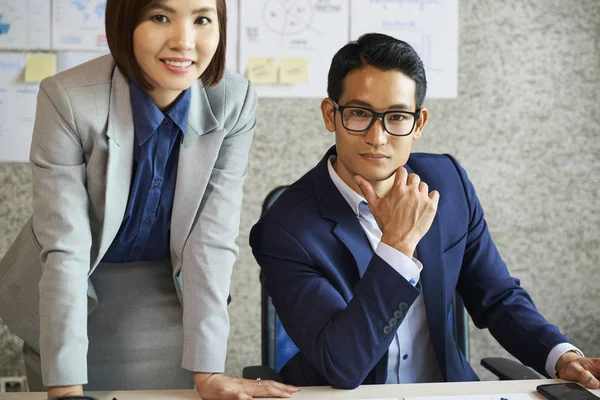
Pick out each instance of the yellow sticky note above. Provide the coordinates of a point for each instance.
(262, 70)
(293, 70)
(39, 66)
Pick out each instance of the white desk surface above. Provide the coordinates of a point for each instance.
(327, 393)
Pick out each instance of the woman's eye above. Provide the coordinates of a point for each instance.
(159, 18)
(203, 21)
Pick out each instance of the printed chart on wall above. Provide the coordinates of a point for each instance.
(17, 108)
(429, 26)
(286, 45)
(24, 24)
(78, 25)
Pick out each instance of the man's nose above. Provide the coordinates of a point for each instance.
(376, 134)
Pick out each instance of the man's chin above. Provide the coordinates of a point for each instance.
(379, 176)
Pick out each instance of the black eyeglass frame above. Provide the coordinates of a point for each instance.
(381, 115)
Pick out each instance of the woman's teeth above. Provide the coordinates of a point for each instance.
(178, 64)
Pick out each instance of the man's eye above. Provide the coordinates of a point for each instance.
(358, 113)
(159, 18)
(203, 21)
(397, 117)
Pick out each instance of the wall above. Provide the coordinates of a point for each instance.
(525, 126)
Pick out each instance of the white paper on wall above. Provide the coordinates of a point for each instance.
(233, 24)
(429, 26)
(25, 24)
(17, 108)
(78, 25)
(300, 29)
(70, 59)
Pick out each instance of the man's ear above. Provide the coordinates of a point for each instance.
(328, 112)
(420, 124)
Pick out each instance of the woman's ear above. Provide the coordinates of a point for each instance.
(328, 112)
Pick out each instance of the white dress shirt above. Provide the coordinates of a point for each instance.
(411, 355)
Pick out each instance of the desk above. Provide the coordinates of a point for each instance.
(327, 393)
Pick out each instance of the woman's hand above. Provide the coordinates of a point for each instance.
(63, 391)
(222, 387)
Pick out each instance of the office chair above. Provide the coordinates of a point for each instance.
(278, 348)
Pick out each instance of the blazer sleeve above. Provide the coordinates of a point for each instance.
(210, 250)
(494, 299)
(342, 340)
(61, 225)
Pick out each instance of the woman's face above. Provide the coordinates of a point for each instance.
(174, 43)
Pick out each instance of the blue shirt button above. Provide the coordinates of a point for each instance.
(412, 282)
(405, 357)
(147, 220)
(138, 248)
(156, 183)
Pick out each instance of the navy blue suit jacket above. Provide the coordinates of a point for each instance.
(335, 296)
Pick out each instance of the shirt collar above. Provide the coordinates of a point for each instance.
(179, 111)
(355, 200)
(147, 117)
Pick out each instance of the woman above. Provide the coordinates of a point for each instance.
(138, 164)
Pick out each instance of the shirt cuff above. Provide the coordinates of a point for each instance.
(555, 354)
(410, 269)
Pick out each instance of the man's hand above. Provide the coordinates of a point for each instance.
(221, 387)
(572, 367)
(405, 213)
(62, 391)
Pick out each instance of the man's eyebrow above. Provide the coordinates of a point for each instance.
(201, 10)
(361, 103)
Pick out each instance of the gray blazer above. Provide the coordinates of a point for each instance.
(82, 158)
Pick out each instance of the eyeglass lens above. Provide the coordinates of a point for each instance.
(396, 123)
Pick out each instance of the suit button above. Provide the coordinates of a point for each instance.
(393, 322)
(387, 330)
(403, 306)
(398, 314)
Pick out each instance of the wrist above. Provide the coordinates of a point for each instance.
(201, 378)
(65, 391)
(403, 246)
(565, 359)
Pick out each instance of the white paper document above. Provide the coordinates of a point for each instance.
(17, 108)
(304, 34)
(513, 396)
(429, 26)
(25, 24)
(78, 25)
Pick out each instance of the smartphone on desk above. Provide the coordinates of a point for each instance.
(566, 391)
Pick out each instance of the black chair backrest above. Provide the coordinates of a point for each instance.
(278, 348)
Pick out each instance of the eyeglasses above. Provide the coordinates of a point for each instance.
(360, 119)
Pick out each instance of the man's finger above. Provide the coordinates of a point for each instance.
(367, 190)
(413, 180)
(434, 195)
(401, 176)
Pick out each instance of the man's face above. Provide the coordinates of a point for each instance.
(375, 154)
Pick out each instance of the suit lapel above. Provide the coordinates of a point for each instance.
(335, 208)
(197, 155)
(120, 132)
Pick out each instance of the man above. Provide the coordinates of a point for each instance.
(362, 255)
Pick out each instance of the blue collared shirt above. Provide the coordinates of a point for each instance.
(144, 234)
